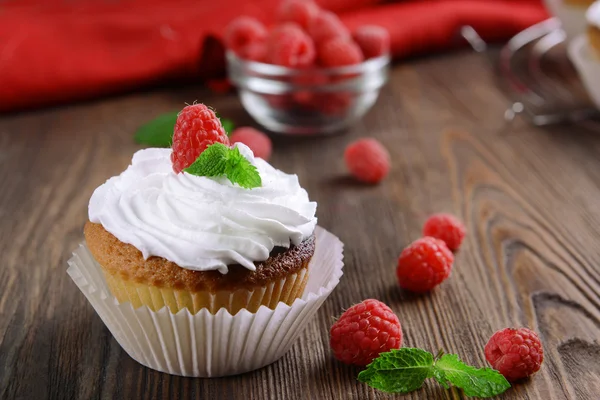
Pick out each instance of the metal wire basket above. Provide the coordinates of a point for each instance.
(538, 78)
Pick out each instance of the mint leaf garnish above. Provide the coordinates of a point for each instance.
(211, 162)
(239, 170)
(404, 370)
(158, 132)
(220, 160)
(398, 371)
(480, 382)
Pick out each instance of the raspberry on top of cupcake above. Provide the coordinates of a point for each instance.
(202, 225)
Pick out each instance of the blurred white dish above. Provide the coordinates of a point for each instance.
(587, 64)
(572, 17)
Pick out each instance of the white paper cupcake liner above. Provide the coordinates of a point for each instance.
(205, 344)
(572, 17)
(588, 65)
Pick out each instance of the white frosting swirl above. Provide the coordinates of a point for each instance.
(593, 15)
(202, 223)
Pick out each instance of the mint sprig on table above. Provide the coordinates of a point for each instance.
(404, 370)
(220, 160)
(159, 131)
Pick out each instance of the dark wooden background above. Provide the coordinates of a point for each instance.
(530, 198)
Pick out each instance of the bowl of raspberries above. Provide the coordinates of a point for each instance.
(307, 73)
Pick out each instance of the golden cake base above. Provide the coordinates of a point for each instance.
(284, 290)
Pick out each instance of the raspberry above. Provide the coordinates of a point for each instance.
(515, 353)
(363, 331)
(445, 227)
(289, 46)
(424, 264)
(305, 94)
(334, 103)
(197, 127)
(301, 12)
(256, 51)
(326, 25)
(373, 40)
(242, 32)
(279, 101)
(338, 52)
(367, 160)
(259, 143)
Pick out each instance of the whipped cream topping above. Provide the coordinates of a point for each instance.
(202, 223)
(592, 15)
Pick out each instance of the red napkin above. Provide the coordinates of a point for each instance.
(59, 52)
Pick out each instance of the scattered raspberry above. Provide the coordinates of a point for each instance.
(367, 160)
(197, 127)
(301, 12)
(326, 25)
(515, 353)
(424, 264)
(363, 331)
(259, 143)
(242, 32)
(289, 46)
(338, 52)
(445, 227)
(373, 40)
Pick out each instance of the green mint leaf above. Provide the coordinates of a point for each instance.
(228, 125)
(480, 382)
(399, 371)
(158, 132)
(220, 160)
(440, 377)
(239, 170)
(211, 162)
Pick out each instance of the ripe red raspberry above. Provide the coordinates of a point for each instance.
(367, 160)
(363, 331)
(289, 46)
(424, 264)
(373, 40)
(242, 32)
(338, 52)
(334, 103)
(306, 94)
(326, 25)
(256, 51)
(515, 353)
(301, 12)
(445, 227)
(197, 127)
(259, 143)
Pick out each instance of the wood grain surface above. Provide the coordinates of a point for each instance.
(530, 198)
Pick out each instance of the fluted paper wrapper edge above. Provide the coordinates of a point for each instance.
(205, 344)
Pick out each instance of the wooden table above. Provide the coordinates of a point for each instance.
(530, 198)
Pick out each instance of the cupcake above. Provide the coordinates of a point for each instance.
(204, 260)
(175, 239)
(571, 14)
(593, 27)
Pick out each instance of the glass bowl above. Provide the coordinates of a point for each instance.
(307, 101)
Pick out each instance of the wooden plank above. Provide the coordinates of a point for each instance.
(527, 195)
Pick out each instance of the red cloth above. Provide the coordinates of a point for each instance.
(64, 51)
